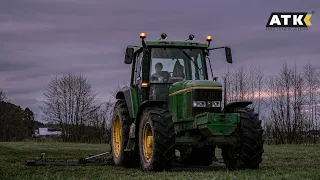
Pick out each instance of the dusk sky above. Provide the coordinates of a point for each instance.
(43, 38)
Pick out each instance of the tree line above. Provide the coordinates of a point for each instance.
(287, 101)
(16, 124)
(69, 104)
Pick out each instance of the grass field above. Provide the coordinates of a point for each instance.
(279, 162)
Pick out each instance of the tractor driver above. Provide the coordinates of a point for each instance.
(160, 76)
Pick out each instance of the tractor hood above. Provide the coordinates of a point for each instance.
(192, 83)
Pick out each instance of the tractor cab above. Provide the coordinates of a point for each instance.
(169, 65)
(159, 64)
(173, 64)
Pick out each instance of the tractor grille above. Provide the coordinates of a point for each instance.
(206, 95)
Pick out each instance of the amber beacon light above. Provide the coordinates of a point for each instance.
(209, 38)
(143, 35)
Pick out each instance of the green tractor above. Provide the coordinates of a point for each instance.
(172, 107)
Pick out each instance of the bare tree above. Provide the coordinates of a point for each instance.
(245, 84)
(3, 96)
(287, 100)
(102, 119)
(255, 83)
(311, 76)
(274, 119)
(226, 95)
(297, 106)
(70, 102)
(241, 83)
(286, 81)
(235, 84)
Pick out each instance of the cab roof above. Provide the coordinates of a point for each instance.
(177, 43)
(163, 43)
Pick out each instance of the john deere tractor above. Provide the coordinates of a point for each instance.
(171, 107)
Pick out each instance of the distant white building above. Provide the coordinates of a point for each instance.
(47, 132)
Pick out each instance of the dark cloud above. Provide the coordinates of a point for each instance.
(22, 90)
(43, 38)
(12, 65)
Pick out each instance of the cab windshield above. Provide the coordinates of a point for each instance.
(169, 65)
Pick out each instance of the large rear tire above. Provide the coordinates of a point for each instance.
(249, 154)
(120, 136)
(156, 139)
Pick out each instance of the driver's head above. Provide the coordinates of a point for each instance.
(158, 67)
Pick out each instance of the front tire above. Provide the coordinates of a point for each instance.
(156, 139)
(249, 154)
(120, 135)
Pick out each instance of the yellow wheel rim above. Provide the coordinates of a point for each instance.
(147, 142)
(116, 136)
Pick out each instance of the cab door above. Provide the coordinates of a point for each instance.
(135, 86)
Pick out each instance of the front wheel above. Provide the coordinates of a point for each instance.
(120, 136)
(249, 154)
(156, 139)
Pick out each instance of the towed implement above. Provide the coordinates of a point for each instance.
(172, 105)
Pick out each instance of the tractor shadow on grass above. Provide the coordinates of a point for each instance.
(215, 166)
(197, 168)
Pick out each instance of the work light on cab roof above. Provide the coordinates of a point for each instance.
(177, 44)
(143, 35)
(164, 36)
(209, 39)
(191, 37)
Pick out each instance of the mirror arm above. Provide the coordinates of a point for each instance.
(134, 46)
(216, 48)
(210, 67)
(143, 43)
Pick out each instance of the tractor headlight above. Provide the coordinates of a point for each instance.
(199, 104)
(206, 104)
(216, 104)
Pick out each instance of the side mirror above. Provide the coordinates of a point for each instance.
(228, 54)
(129, 55)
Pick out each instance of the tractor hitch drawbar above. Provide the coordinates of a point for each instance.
(81, 162)
(43, 161)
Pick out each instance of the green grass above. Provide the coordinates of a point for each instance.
(279, 162)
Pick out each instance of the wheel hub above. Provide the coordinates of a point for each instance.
(116, 136)
(147, 142)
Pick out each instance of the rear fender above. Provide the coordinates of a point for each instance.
(124, 93)
(231, 107)
(150, 103)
